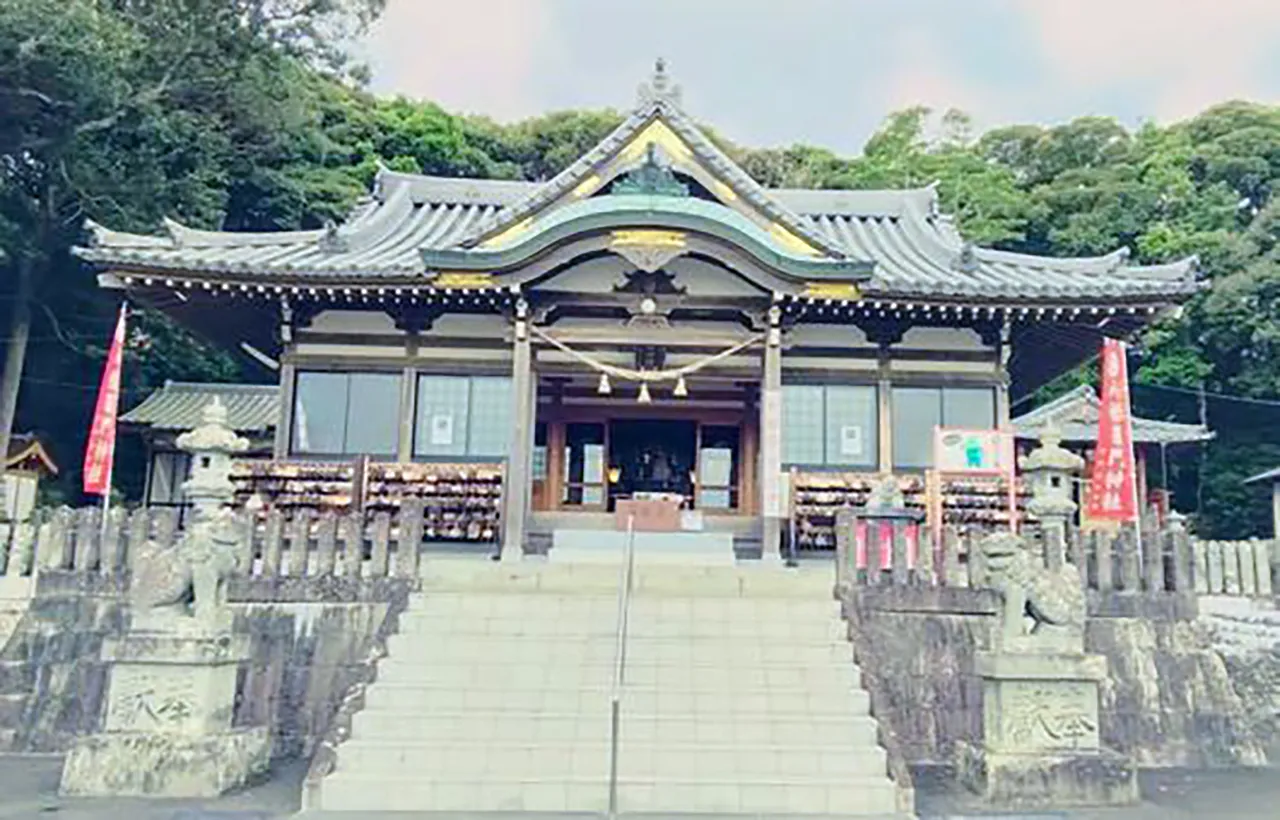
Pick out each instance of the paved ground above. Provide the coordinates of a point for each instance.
(29, 786)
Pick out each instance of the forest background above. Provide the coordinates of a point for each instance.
(248, 115)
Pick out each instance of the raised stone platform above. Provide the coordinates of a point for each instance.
(651, 548)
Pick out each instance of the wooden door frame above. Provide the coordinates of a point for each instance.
(557, 416)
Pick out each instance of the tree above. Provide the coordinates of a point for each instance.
(127, 111)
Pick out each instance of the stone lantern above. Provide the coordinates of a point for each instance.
(212, 446)
(1051, 470)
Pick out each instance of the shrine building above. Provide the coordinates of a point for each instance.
(651, 323)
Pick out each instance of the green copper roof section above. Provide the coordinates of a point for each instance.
(645, 211)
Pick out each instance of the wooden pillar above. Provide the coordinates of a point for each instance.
(884, 409)
(748, 466)
(408, 393)
(1275, 510)
(771, 440)
(555, 463)
(284, 414)
(516, 479)
(1004, 352)
(1140, 479)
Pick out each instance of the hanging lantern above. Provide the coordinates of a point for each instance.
(605, 388)
(681, 389)
(644, 397)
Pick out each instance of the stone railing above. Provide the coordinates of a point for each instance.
(1248, 569)
(274, 544)
(898, 551)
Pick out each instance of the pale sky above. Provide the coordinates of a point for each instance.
(826, 72)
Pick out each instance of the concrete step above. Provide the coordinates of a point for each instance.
(670, 673)
(640, 650)
(548, 759)
(677, 727)
(638, 629)
(848, 796)
(514, 604)
(418, 697)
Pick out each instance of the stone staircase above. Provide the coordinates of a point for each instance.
(741, 697)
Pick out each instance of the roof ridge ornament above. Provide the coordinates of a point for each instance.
(651, 178)
(967, 261)
(659, 88)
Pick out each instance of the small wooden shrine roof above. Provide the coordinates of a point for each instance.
(1076, 416)
(28, 453)
(251, 408)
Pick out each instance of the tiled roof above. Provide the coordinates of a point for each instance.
(1076, 416)
(916, 251)
(251, 408)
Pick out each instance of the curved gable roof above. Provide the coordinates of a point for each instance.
(916, 251)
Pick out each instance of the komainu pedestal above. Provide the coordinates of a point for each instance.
(1040, 734)
(1040, 744)
(168, 729)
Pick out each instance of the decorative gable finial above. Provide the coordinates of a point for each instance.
(651, 178)
(659, 88)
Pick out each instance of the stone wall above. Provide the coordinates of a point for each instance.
(1168, 700)
(310, 637)
(1247, 634)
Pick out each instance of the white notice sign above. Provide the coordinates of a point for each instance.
(442, 429)
(851, 440)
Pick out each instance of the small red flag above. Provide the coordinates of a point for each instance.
(100, 451)
(1113, 479)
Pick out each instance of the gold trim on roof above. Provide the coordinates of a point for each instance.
(832, 290)
(790, 241)
(722, 191)
(657, 132)
(463, 281)
(648, 237)
(587, 186)
(509, 234)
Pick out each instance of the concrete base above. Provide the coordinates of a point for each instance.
(1042, 780)
(159, 765)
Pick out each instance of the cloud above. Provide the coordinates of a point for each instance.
(920, 74)
(476, 56)
(1187, 54)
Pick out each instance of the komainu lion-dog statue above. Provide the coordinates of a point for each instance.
(1043, 608)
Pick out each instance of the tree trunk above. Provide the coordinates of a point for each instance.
(15, 355)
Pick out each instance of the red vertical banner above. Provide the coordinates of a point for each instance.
(100, 451)
(1113, 479)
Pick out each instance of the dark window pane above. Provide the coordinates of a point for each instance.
(917, 412)
(970, 408)
(320, 413)
(852, 430)
(373, 413)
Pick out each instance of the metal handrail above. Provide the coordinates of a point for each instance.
(626, 574)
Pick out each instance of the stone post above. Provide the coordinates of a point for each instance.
(771, 441)
(167, 730)
(1040, 691)
(1050, 470)
(517, 480)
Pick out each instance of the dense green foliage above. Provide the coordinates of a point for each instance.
(243, 115)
